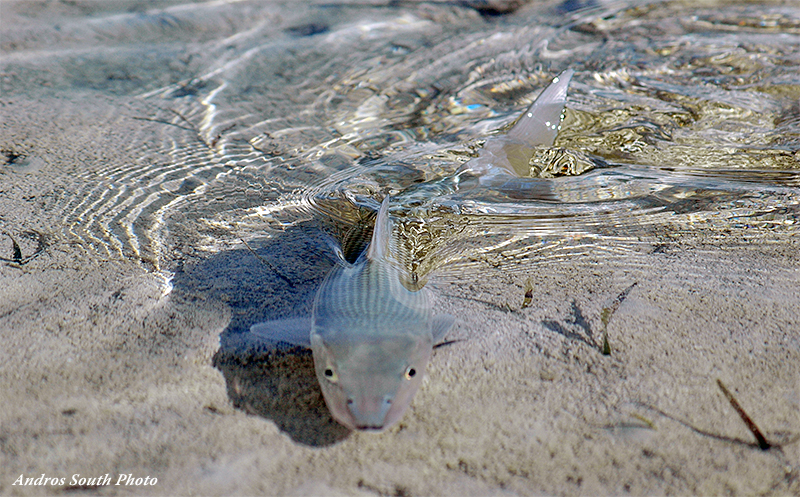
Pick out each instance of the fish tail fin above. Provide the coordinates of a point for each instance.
(539, 125)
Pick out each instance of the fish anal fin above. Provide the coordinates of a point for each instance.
(296, 331)
(440, 325)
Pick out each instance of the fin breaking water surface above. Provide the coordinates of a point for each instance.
(689, 127)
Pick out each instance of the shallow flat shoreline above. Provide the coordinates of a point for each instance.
(522, 402)
(112, 365)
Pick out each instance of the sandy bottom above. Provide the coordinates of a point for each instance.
(105, 372)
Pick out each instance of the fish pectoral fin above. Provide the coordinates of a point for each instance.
(440, 325)
(296, 331)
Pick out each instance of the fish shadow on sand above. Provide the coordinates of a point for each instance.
(274, 382)
(574, 327)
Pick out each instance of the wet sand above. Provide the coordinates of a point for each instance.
(108, 369)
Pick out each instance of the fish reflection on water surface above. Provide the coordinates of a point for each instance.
(371, 334)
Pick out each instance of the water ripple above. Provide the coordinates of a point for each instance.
(679, 118)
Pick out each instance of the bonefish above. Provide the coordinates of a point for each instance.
(370, 336)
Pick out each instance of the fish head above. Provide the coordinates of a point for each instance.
(369, 384)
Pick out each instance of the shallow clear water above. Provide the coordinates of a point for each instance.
(251, 118)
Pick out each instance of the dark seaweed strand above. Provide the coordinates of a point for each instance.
(605, 316)
(762, 441)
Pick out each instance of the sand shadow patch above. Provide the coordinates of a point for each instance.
(574, 327)
(280, 385)
(278, 281)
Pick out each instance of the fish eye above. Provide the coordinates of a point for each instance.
(330, 375)
(410, 373)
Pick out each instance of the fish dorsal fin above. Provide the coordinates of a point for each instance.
(440, 325)
(378, 246)
(296, 331)
(539, 124)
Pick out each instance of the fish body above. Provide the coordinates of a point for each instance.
(371, 337)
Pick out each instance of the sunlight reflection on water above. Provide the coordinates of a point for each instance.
(679, 117)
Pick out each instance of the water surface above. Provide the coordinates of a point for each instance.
(255, 117)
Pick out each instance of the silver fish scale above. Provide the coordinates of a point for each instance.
(368, 300)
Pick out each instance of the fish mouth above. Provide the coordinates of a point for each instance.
(370, 428)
